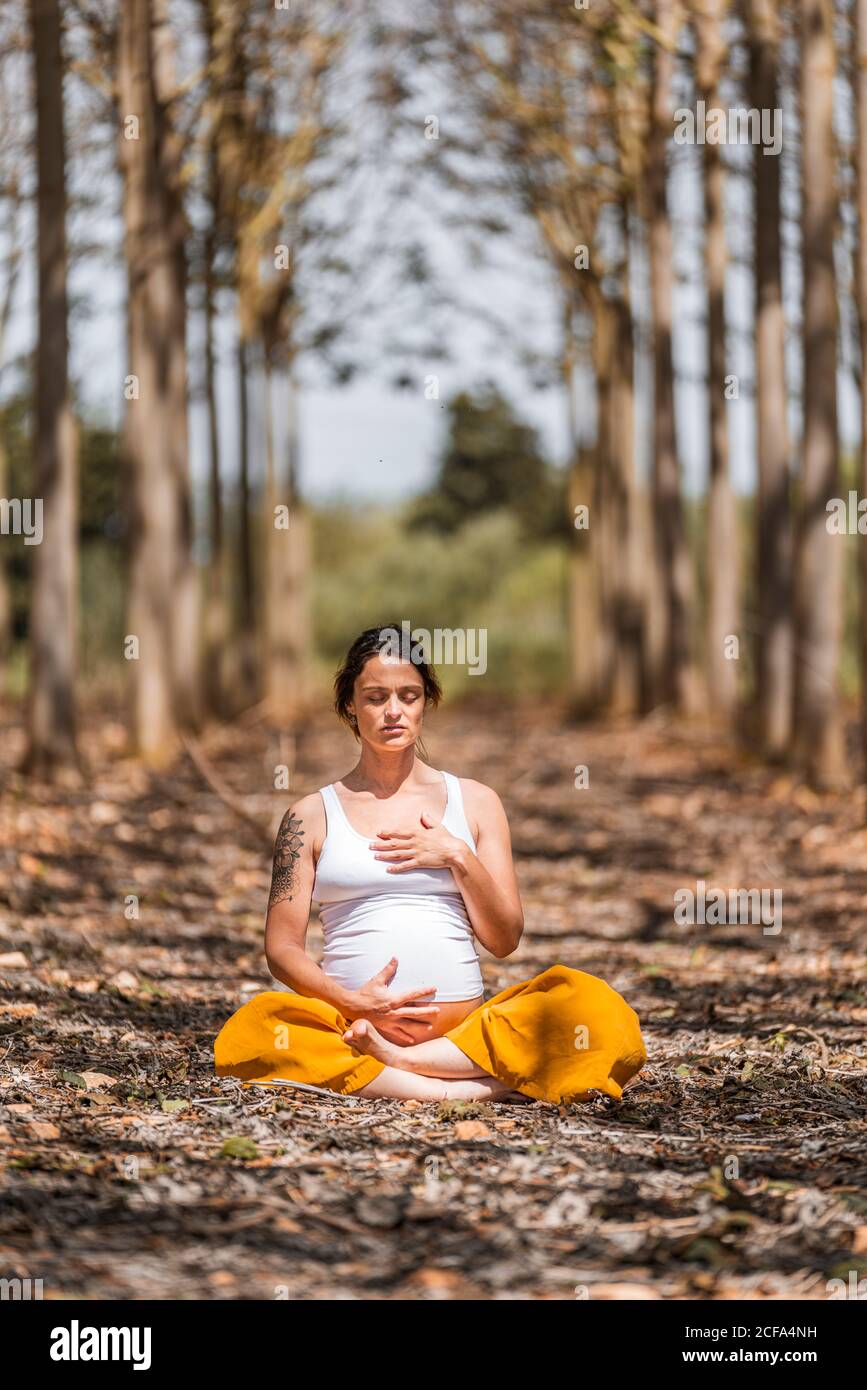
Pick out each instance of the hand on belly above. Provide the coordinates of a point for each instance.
(450, 1015)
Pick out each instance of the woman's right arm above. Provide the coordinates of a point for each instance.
(302, 830)
(294, 871)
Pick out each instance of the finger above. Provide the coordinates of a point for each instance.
(415, 1011)
(428, 821)
(395, 834)
(387, 845)
(402, 868)
(396, 855)
(395, 1033)
(411, 994)
(387, 971)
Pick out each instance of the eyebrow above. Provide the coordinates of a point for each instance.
(400, 687)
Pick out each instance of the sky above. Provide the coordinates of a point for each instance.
(368, 442)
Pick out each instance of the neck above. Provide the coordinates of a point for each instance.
(382, 771)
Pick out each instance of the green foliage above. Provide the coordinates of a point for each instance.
(239, 1147)
(492, 460)
(370, 568)
(101, 534)
(100, 500)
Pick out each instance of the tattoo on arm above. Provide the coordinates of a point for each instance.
(287, 852)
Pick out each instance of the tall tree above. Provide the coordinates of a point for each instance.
(673, 672)
(773, 562)
(860, 87)
(225, 142)
(53, 611)
(542, 85)
(185, 628)
(818, 724)
(216, 614)
(267, 139)
(11, 269)
(155, 433)
(722, 536)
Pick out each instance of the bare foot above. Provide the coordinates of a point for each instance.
(363, 1037)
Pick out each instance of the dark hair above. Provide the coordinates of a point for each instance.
(370, 643)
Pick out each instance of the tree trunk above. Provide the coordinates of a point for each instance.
(219, 196)
(5, 599)
(288, 608)
(53, 611)
(216, 618)
(605, 542)
(186, 627)
(818, 727)
(156, 407)
(673, 676)
(246, 679)
(630, 694)
(12, 262)
(723, 619)
(773, 637)
(860, 85)
(583, 613)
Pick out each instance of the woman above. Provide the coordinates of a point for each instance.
(409, 865)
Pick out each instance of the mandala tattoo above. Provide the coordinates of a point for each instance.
(290, 838)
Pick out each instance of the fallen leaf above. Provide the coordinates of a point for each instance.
(124, 980)
(472, 1129)
(43, 1129)
(95, 1080)
(14, 960)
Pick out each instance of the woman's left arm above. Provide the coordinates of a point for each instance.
(486, 879)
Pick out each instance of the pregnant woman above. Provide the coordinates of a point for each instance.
(409, 867)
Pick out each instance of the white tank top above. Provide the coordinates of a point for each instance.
(369, 915)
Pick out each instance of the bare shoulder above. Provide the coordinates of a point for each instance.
(303, 823)
(482, 803)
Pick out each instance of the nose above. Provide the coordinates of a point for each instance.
(393, 710)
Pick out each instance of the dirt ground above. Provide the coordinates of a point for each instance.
(733, 1167)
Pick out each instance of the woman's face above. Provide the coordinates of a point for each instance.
(388, 702)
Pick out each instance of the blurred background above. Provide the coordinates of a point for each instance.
(544, 318)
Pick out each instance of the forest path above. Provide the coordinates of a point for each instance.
(153, 1179)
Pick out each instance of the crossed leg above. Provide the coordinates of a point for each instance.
(432, 1070)
(404, 1085)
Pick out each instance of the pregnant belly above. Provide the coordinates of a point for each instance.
(434, 950)
(450, 1015)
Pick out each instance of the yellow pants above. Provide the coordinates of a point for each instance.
(554, 1038)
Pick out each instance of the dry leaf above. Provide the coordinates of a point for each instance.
(95, 1080)
(472, 1129)
(43, 1129)
(14, 960)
